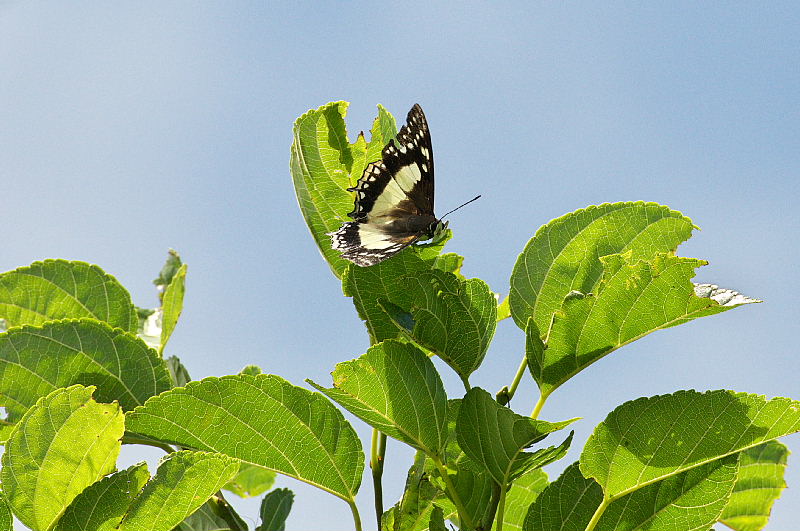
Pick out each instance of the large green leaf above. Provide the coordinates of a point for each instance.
(690, 501)
(521, 495)
(63, 444)
(496, 437)
(58, 289)
(394, 388)
(564, 255)
(274, 511)
(650, 439)
(759, 484)
(103, 504)
(35, 360)
(183, 482)
(633, 299)
(262, 420)
(454, 318)
(324, 164)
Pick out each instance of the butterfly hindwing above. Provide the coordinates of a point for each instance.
(394, 198)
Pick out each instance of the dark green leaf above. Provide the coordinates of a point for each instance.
(275, 508)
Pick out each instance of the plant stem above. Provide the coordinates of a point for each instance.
(517, 378)
(538, 408)
(356, 516)
(378, 452)
(127, 439)
(597, 514)
(501, 508)
(465, 520)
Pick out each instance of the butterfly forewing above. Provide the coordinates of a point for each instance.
(394, 198)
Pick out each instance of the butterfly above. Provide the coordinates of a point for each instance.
(394, 199)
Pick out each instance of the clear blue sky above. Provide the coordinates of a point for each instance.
(126, 130)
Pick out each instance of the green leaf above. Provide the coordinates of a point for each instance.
(168, 270)
(103, 504)
(172, 305)
(564, 255)
(455, 319)
(436, 522)
(275, 508)
(63, 444)
(420, 498)
(495, 437)
(6, 520)
(759, 484)
(385, 281)
(476, 490)
(58, 289)
(450, 263)
(566, 504)
(178, 374)
(262, 420)
(521, 495)
(215, 514)
(688, 501)
(183, 482)
(324, 164)
(252, 370)
(650, 439)
(503, 310)
(251, 481)
(36, 360)
(394, 388)
(632, 301)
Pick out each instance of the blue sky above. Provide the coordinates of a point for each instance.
(129, 129)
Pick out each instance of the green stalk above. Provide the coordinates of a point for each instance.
(539, 404)
(465, 520)
(377, 454)
(356, 516)
(597, 514)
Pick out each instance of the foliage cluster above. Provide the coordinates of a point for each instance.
(83, 371)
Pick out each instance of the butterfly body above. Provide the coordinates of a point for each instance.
(393, 198)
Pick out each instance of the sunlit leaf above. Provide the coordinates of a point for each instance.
(103, 504)
(521, 495)
(183, 482)
(394, 388)
(650, 439)
(496, 437)
(36, 360)
(58, 289)
(262, 420)
(324, 164)
(63, 444)
(759, 484)
(172, 304)
(564, 255)
(633, 300)
(251, 480)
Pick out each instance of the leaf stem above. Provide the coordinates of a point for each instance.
(131, 439)
(465, 520)
(597, 514)
(377, 454)
(501, 508)
(517, 378)
(539, 404)
(356, 516)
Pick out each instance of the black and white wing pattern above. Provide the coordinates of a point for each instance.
(394, 198)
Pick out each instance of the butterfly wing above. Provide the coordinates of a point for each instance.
(394, 197)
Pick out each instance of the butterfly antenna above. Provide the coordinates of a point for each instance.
(465, 204)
